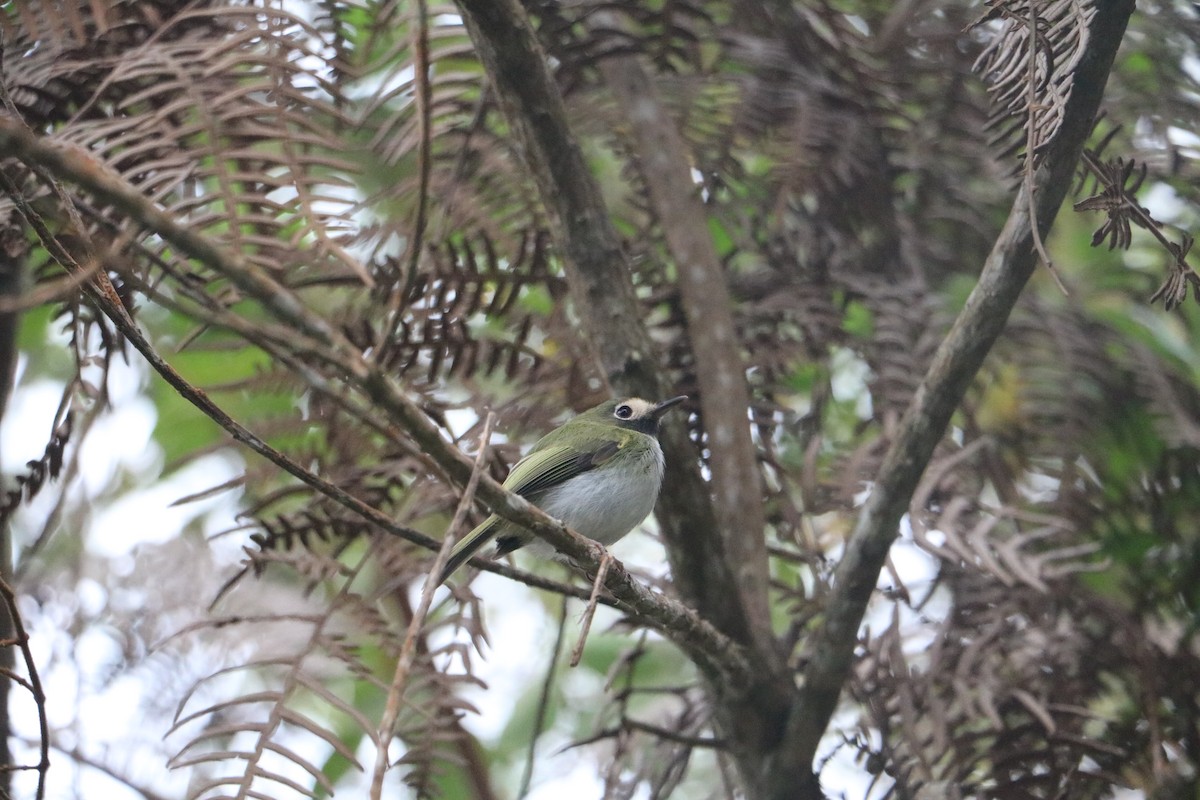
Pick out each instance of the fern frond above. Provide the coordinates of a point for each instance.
(1034, 52)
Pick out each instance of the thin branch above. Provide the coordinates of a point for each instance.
(391, 711)
(1008, 267)
(650, 729)
(590, 611)
(49, 292)
(35, 685)
(7, 673)
(422, 100)
(672, 736)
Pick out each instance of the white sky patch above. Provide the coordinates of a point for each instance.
(26, 426)
(120, 440)
(848, 380)
(460, 420)
(510, 665)
(147, 515)
(1163, 202)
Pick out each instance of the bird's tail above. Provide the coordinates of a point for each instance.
(469, 545)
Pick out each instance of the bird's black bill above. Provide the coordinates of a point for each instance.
(667, 405)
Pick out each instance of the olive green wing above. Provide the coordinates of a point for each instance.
(467, 546)
(545, 467)
(550, 466)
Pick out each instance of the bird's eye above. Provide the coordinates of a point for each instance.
(624, 411)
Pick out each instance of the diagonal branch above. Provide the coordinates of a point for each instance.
(713, 651)
(1008, 267)
(599, 274)
(724, 397)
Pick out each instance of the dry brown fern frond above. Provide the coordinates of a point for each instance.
(192, 110)
(1118, 182)
(39, 471)
(1029, 66)
(1017, 695)
(999, 703)
(299, 681)
(440, 332)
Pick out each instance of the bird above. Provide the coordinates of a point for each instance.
(598, 473)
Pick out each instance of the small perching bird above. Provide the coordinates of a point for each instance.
(598, 473)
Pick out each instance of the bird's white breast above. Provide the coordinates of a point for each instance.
(605, 504)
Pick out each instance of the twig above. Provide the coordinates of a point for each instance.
(539, 721)
(34, 686)
(590, 611)
(92, 270)
(391, 711)
(7, 673)
(673, 736)
(649, 729)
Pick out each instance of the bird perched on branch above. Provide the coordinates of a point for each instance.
(598, 473)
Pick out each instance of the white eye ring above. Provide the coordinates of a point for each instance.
(624, 411)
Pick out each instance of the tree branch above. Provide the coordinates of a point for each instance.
(712, 651)
(1007, 269)
(734, 550)
(720, 370)
(598, 271)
